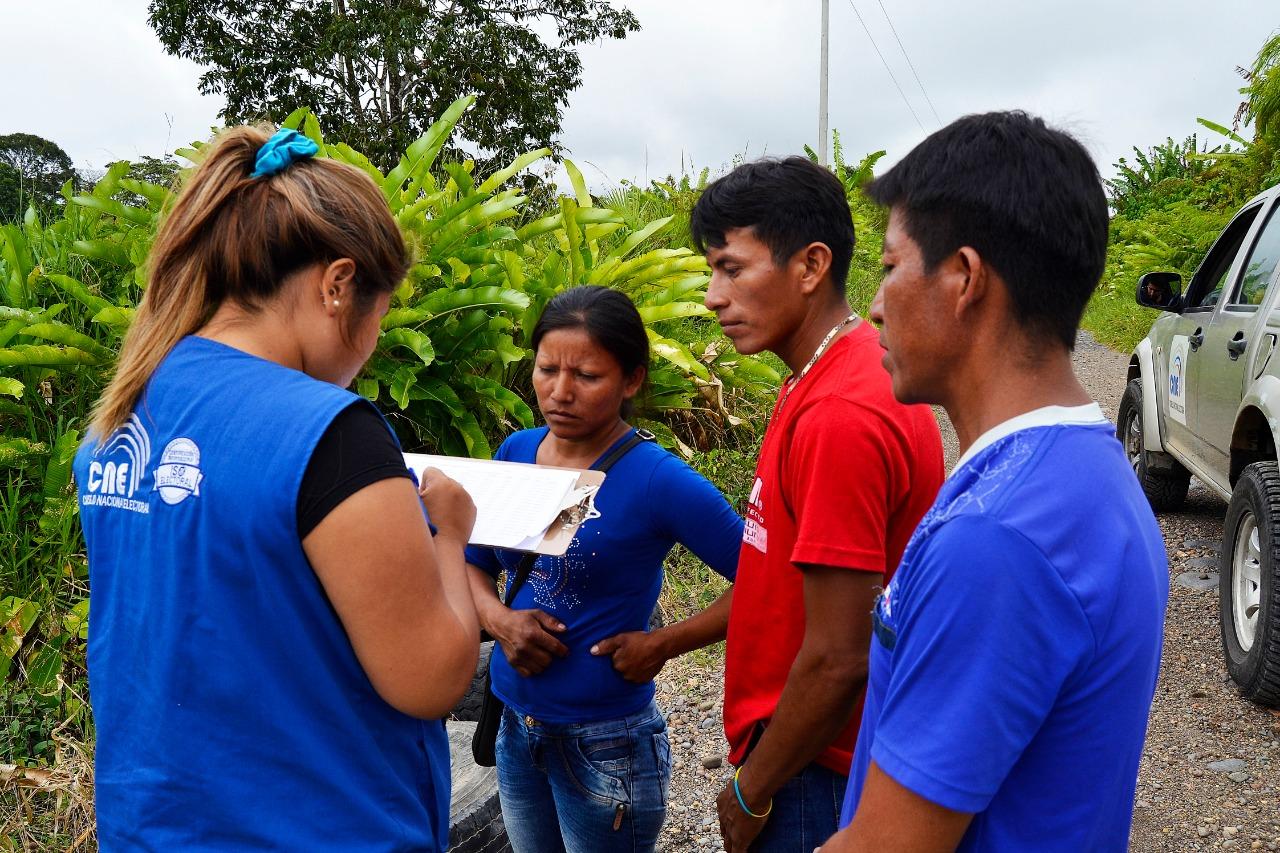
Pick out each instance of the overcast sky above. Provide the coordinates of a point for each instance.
(707, 80)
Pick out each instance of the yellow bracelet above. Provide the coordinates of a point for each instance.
(743, 803)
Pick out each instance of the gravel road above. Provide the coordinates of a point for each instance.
(1209, 777)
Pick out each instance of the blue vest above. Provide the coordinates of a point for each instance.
(231, 710)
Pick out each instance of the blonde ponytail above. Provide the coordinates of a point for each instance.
(229, 236)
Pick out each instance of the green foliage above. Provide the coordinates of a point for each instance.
(671, 197)
(1174, 239)
(380, 72)
(1163, 174)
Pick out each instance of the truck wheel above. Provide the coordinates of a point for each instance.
(1164, 481)
(475, 816)
(1249, 589)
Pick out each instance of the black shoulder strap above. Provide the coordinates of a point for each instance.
(526, 562)
(632, 440)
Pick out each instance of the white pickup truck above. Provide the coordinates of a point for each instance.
(1203, 398)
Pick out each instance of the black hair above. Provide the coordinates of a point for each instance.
(787, 203)
(608, 316)
(1024, 196)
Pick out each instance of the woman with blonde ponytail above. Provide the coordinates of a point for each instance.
(276, 631)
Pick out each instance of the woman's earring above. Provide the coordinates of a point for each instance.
(335, 303)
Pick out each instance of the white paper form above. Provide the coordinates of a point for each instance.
(515, 502)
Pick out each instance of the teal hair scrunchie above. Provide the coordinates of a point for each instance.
(281, 150)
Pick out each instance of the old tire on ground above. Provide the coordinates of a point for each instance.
(468, 709)
(475, 818)
(1249, 589)
(1164, 481)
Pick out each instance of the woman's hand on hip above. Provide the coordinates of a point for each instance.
(528, 639)
(638, 656)
(449, 506)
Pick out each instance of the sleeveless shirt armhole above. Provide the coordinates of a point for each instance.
(356, 450)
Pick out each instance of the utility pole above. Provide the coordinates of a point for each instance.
(822, 85)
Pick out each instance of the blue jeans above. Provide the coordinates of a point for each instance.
(806, 812)
(584, 787)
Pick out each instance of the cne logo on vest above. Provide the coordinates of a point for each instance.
(118, 468)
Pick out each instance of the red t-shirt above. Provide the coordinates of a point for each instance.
(845, 474)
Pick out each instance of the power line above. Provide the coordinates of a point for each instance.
(910, 64)
(886, 66)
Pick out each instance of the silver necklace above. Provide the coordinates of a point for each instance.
(817, 354)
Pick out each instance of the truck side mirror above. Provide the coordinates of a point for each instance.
(1161, 290)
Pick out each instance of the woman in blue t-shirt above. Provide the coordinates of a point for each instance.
(272, 619)
(583, 758)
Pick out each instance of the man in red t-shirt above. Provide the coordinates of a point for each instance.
(845, 473)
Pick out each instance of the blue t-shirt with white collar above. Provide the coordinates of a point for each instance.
(1016, 650)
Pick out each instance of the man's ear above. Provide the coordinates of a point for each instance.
(814, 266)
(968, 278)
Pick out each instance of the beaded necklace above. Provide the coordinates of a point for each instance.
(817, 354)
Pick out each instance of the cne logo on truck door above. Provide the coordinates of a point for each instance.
(1177, 384)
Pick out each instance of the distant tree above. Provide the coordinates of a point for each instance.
(155, 170)
(378, 72)
(10, 193)
(42, 167)
(1263, 104)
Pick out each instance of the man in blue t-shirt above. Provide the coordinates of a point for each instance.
(1016, 650)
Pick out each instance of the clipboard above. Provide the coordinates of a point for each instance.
(482, 479)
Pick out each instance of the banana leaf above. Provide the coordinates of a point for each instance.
(675, 292)
(443, 302)
(59, 334)
(115, 208)
(422, 153)
(460, 178)
(15, 251)
(115, 316)
(57, 474)
(500, 208)
(17, 451)
(346, 154)
(518, 165)
(440, 392)
(672, 311)
(676, 353)
(102, 250)
(506, 399)
(77, 291)
(398, 317)
(28, 355)
(580, 193)
(153, 193)
(404, 380)
(416, 342)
